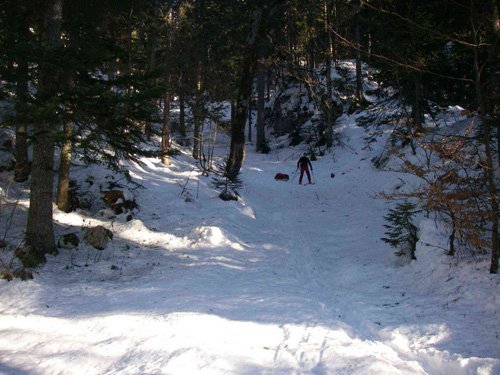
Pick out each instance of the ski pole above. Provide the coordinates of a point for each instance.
(314, 178)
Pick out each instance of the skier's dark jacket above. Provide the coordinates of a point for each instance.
(304, 161)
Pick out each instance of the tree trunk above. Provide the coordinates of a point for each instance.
(62, 199)
(248, 66)
(40, 227)
(493, 85)
(451, 248)
(417, 107)
(328, 103)
(490, 166)
(250, 121)
(261, 83)
(233, 110)
(152, 59)
(182, 113)
(335, 42)
(493, 33)
(22, 166)
(165, 134)
(268, 84)
(359, 77)
(369, 47)
(128, 69)
(197, 114)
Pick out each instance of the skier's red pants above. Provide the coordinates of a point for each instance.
(302, 170)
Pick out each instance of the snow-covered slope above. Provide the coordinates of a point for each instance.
(289, 280)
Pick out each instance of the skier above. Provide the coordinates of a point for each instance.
(304, 163)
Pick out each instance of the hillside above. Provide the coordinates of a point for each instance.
(289, 279)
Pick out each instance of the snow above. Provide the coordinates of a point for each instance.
(288, 280)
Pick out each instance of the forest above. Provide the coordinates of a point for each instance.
(394, 102)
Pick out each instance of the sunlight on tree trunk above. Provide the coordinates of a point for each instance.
(64, 168)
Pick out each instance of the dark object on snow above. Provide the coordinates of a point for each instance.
(332, 175)
(68, 241)
(281, 177)
(401, 233)
(115, 199)
(98, 237)
(10, 274)
(228, 195)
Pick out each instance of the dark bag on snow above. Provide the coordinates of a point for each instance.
(281, 176)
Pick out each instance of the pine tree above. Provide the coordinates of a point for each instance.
(40, 227)
(401, 232)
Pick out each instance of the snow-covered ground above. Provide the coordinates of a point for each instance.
(289, 280)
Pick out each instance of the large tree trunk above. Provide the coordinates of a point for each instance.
(64, 168)
(22, 166)
(40, 227)
(248, 66)
(261, 83)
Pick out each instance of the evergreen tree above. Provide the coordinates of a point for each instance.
(401, 232)
(40, 229)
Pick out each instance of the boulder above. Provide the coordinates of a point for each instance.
(116, 200)
(68, 241)
(98, 237)
(228, 195)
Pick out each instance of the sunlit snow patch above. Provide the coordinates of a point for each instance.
(209, 236)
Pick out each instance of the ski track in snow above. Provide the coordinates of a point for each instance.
(289, 280)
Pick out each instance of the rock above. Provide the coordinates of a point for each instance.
(116, 200)
(68, 241)
(112, 196)
(98, 237)
(228, 196)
